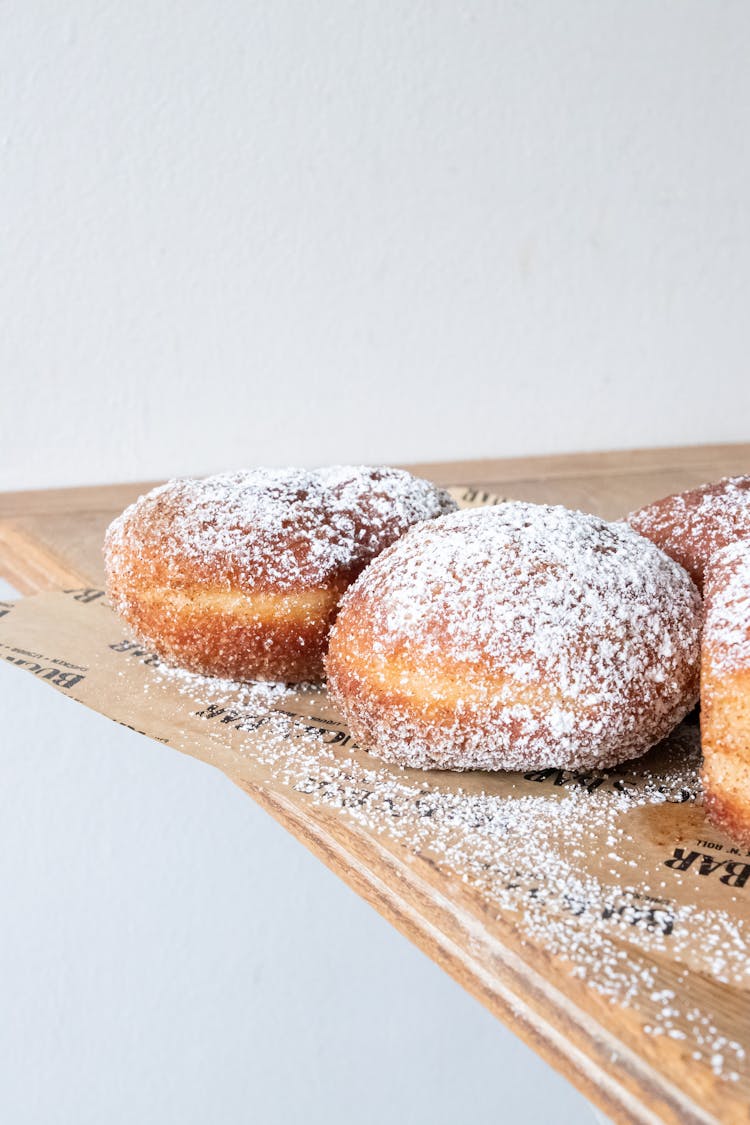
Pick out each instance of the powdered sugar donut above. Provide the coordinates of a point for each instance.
(240, 575)
(520, 636)
(691, 525)
(725, 691)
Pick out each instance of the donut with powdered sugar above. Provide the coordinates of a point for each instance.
(516, 637)
(725, 690)
(240, 575)
(691, 526)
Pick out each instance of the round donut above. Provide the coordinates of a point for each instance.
(691, 525)
(725, 691)
(240, 575)
(516, 637)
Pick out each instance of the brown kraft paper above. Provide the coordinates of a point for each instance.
(606, 872)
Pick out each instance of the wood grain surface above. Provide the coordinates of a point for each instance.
(52, 539)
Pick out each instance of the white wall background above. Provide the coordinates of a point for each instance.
(294, 230)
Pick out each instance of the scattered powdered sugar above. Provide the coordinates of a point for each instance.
(571, 859)
(727, 625)
(691, 526)
(567, 857)
(279, 528)
(546, 636)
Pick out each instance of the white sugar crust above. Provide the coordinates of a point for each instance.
(522, 636)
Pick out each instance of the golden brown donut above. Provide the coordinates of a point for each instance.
(517, 637)
(725, 691)
(240, 575)
(691, 525)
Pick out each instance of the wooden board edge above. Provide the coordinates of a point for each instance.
(559, 466)
(31, 566)
(573, 1042)
(480, 471)
(71, 501)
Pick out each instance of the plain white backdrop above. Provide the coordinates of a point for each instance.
(239, 233)
(305, 230)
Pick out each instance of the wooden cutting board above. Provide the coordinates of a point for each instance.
(52, 539)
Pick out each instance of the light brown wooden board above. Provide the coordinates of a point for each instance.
(52, 539)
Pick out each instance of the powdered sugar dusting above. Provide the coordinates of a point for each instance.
(561, 854)
(727, 626)
(691, 526)
(276, 528)
(574, 642)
